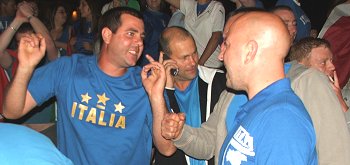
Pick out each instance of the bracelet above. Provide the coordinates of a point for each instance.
(13, 28)
(29, 17)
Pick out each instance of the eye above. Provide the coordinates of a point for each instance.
(131, 34)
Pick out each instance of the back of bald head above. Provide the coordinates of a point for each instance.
(170, 35)
(266, 29)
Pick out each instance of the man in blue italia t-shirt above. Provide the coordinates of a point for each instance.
(104, 115)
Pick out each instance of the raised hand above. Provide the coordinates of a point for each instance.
(335, 85)
(24, 11)
(153, 78)
(169, 64)
(172, 125)
(31, 50)
(335, 82)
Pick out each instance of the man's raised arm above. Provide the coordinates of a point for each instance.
(18, 101)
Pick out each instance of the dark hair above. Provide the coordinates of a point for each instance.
(112, 19)
(303, 48)
(25, 27)
(166, 37)
(95, 8)
(53, 13)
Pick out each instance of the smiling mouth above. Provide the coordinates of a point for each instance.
(133, 52)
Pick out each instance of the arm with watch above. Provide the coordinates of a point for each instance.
(28, 12)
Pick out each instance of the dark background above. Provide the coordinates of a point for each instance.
(315, 9)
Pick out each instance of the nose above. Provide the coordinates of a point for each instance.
(138, 41)
(331, 66)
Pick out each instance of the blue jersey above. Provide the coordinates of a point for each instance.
(155, 23)
(303, 22)
(272, 128)
(83, 32)
(101, 119)
(21, 145)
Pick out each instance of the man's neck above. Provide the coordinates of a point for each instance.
(264, 79)
(109, 68)
(182, 85)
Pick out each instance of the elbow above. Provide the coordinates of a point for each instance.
(9, 112)
(8, 115)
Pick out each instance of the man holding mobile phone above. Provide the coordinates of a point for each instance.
(191, 89)
(316, 53)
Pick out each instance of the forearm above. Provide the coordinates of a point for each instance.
(39, 27)
(342, 102)
(210, 48)
(197, 142)
(166, 147)
(15, 96)
(9, 33)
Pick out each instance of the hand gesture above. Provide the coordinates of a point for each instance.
(172, 125)
(153, 78)
(335, 83)
(31, 50)
(169, 65)
(24, 11)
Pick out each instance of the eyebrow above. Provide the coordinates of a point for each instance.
(135, 30)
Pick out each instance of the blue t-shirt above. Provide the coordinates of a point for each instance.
(101, 119)
(272, 128)
(21, 145)
(83, 32)
(65, 39)
(303, 22)
(155, 23)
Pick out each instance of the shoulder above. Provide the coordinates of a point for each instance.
(299, 74)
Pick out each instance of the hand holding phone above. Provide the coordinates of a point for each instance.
(173, 71)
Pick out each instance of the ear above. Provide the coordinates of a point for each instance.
(252, 48)
(106, 35)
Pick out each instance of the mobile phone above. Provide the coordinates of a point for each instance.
(173, 71)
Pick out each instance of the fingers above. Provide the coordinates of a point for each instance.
(161, 57)
(336, 80)
(30, 40)
(42, 45)
(149, 58)
(172, 125)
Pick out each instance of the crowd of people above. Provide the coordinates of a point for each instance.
(183, 82)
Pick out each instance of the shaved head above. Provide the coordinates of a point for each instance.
(255, 43)
(266, 29)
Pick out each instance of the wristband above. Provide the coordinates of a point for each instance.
(13, 28)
